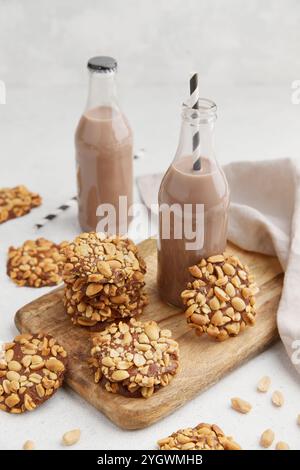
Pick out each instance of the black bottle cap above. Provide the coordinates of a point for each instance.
(102, 64)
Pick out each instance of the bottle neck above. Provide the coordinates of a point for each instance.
(197, 133)
(206, 141)
(102, 90)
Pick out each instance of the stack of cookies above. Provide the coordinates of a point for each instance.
(104, 279)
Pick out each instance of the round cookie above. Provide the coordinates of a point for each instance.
(88, 311)
(220, 301)
(16, 202)
(37, 263)
(32, 368)
(202, 437)
(97, 258)
(104, 278)
(134, 359)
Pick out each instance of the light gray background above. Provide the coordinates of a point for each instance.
(157, 42)
(247, 54)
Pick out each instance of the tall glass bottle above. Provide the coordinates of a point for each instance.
(104, 150)
(193, 204)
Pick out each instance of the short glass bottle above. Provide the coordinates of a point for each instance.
(104, 152)
(193, 204)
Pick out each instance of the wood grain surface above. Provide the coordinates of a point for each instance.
(202, 361)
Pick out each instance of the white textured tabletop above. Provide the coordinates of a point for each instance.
(36, 149)
(247, 54)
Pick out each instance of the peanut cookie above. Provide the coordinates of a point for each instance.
(88, 311)
(104, 279)
(202, 437)
(32, 368)
(15, 202)
(220, 301)
(37, 263)
(134, 359)
(100, 259)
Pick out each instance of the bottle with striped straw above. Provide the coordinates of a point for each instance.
(193, 199)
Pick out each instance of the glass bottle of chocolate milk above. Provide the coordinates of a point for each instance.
(193, 204)
(104, 151)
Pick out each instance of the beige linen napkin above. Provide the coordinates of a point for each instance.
(264, 217)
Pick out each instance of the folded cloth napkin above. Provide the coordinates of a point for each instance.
(264, 217)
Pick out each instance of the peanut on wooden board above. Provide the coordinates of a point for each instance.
(264, 384)
(267, 438)
(28, 445)
(240, 405)
(277, 398)
(71, 437)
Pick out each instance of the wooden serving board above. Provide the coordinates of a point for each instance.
(203, 361)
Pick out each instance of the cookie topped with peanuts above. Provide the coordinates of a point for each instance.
(16, 202)
(32, 368)
(202, 437)
(36, 263)
(98, 258)
(134, 359)
(107, 305)
(220, 301)
(104, 278)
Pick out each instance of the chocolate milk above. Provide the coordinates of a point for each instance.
(182, 185)
(104, 151)
(104, 164)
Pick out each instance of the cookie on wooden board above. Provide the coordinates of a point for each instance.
(86, 311)
(104, 278)
(134, 359)
(220, 301)
(98, 258)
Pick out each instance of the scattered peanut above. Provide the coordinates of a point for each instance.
(71, 437)
(240, 405)
(264, 384)
(267, 438)
(28, 445)
(281, 445)
(277, 398)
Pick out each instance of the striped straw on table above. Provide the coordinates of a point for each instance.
(54, 214)
(194, 103)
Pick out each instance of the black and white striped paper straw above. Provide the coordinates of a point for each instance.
(56, 213)
(194, 103)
